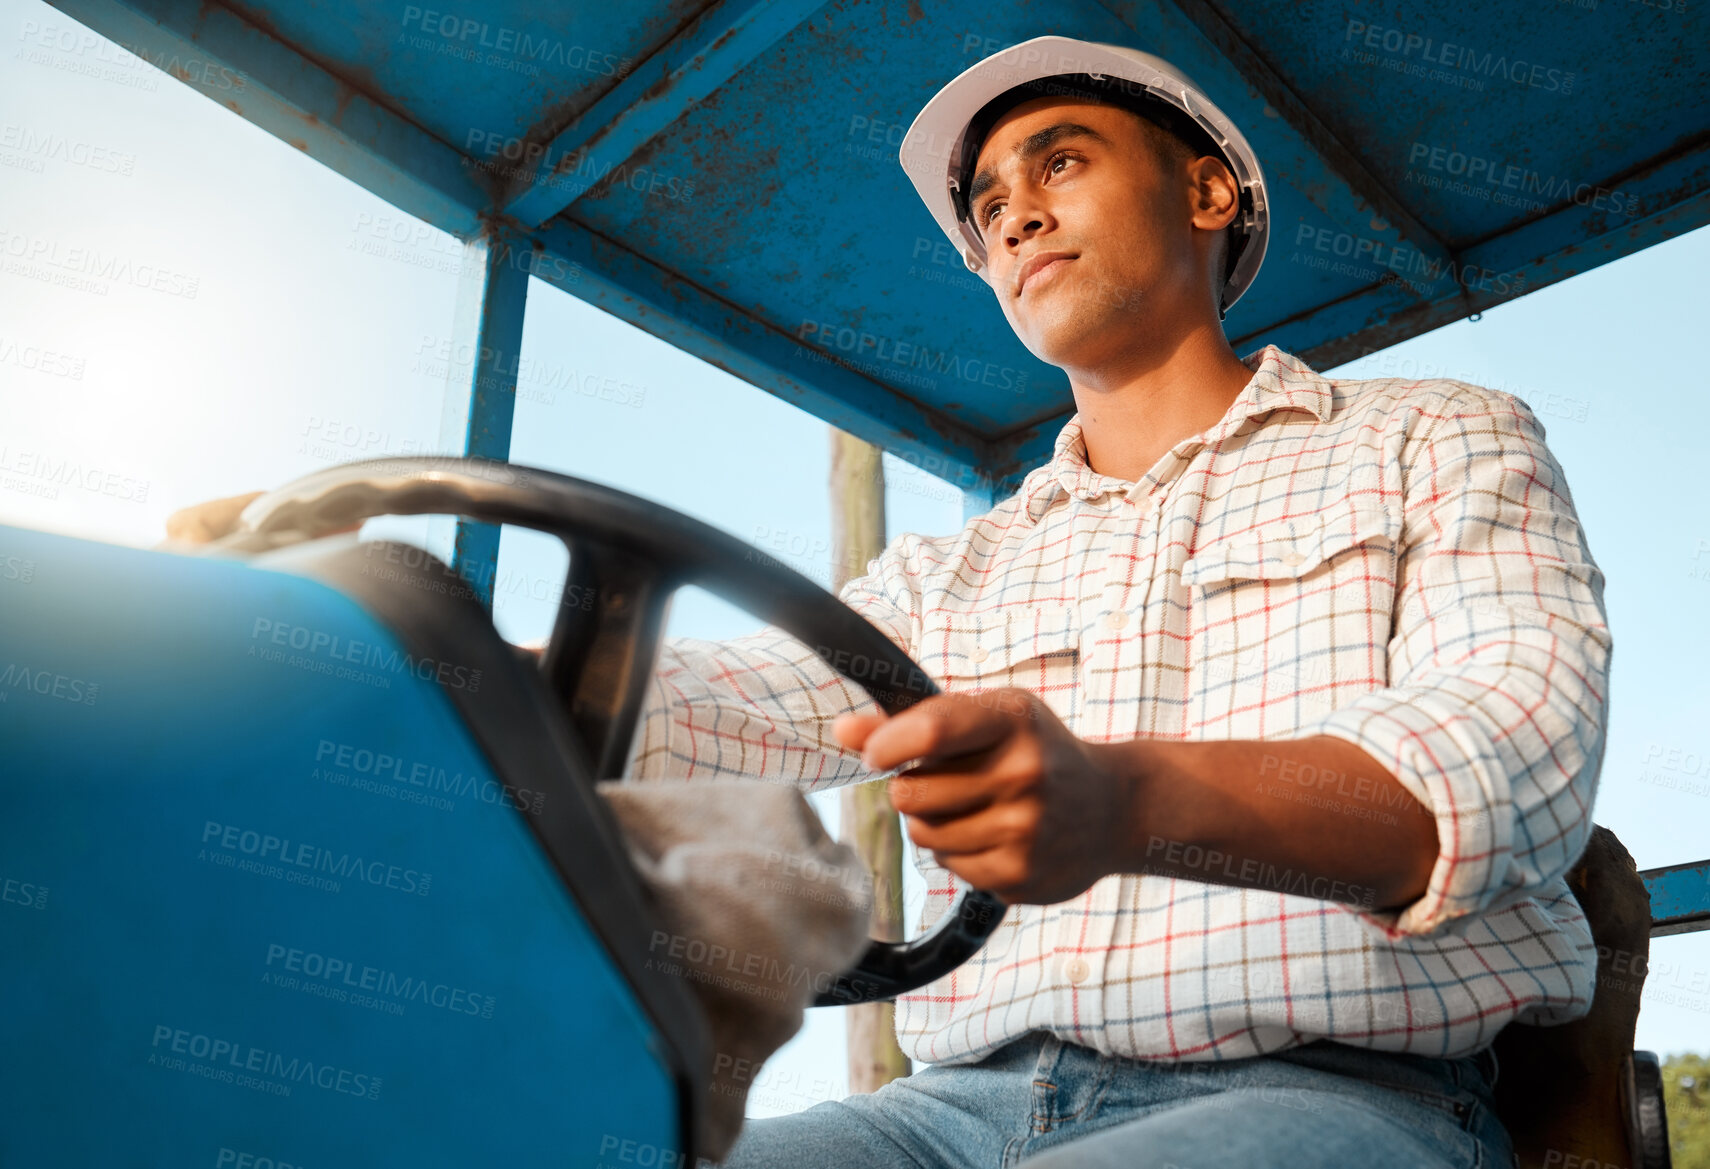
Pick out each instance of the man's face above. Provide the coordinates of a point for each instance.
(1088, 230)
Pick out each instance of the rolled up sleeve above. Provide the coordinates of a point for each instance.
(761, 706)
(1495, 715)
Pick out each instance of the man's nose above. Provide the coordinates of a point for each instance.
(1025, 217)
(1022, 231)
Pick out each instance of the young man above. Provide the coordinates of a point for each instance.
(1291, 698)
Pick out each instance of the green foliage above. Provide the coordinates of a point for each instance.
(1686, 1092)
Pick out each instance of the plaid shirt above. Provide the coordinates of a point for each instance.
(1396, 564)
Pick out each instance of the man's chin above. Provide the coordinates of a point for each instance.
(1065, 341)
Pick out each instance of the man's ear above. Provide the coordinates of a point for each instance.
(1217, 196)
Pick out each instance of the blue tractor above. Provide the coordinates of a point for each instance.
(292, 819)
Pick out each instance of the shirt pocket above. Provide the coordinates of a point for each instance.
(1035, 648)
(1290, 620)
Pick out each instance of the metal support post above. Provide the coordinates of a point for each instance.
(481, 377)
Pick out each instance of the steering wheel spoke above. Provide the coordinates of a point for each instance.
(602, 654)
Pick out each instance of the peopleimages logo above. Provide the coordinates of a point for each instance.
(44, 145)
(48, 684)
(361, 654)
(81, 42)
(224, 1055)
(89, 269)
(309, 858)
(909, 356)
(876, 140)
(35, 473)
(16, 892)
(1402, 261)
(343, 980)
(435, 356)
(380, 766)
(1484, 177)
(39, 360)
(1428, 51)
(573, 170)
(468, 39)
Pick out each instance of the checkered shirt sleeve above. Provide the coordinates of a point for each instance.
(761, 706)
(1494, 718)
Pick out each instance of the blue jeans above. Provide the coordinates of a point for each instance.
(1047, 1104)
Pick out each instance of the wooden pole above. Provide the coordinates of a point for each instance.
(870, 825)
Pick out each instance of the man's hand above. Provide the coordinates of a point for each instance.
(203, 523)
(1006, 797)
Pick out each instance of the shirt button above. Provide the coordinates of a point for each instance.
(1115, 619)
(1076, 970)
(979, 654)
(1293, 559)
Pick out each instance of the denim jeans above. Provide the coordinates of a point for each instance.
(1046, 1104)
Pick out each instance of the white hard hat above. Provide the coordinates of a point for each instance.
(939, 150)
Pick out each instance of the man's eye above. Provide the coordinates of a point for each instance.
(1053, 166)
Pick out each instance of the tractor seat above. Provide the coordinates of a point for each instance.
(1578, 1094)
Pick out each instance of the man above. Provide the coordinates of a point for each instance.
(1275, 704)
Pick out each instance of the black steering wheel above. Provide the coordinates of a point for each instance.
(630, 555)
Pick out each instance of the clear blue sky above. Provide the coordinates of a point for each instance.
(318, 310)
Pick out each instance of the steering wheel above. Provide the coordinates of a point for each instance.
(630, 555)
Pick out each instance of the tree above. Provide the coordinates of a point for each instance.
(868, 821)
(1686, 1095)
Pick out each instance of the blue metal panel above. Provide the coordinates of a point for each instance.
(1563, 92)
(479, 77)
(481, 378)
(703, 57)
(277, 900)
(1680, 898)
